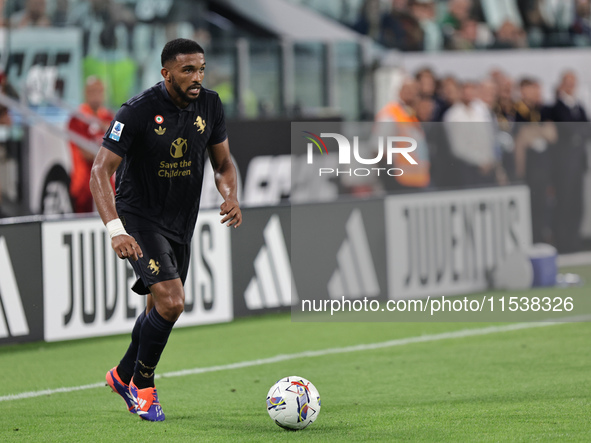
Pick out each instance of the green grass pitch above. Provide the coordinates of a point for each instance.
(530, 384)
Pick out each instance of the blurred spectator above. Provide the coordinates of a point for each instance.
(499, 12)
(461, 29)
(548, 21)
(528, 110)
(510, 36)
(34, 14)
(466, 37)
(370, 19)
(402, 112)
(91, 125)
(106, 31)
(448, 93)
(504, 116)
(569, 164)
(532, 160)
(424, 12)
(434, 138)
(505, 108)
(403, 109)
(558, 15)
(59, 17)
(471, 35)
(425, 106)
(400, 29)
(426, 82)
(100, 20)
(497, 76)
(183, 18)
(529, 11)
(488, 94)
(443, 164)
(533, 21)
(459, 11)
(471, 133)
(582, 24)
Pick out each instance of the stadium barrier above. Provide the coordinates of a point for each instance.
(406, 246)
(60, 280)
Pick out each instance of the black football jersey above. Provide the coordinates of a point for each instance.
(163, 147)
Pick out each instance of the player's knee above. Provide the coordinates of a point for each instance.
(176, 308)
(169, 300)
(171, 308)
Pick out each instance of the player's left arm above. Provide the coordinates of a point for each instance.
(227, 182)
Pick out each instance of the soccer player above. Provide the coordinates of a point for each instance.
(157, 144)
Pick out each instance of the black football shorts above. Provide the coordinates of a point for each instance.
(163, 260)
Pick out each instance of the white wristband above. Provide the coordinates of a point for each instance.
(115, 227)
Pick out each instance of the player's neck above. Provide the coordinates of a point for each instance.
(174, 97)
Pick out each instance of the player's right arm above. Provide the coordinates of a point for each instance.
(104, 166)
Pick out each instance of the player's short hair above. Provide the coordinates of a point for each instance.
(179, 46)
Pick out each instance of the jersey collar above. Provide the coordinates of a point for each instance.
(192, 106)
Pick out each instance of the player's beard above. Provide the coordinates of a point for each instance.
(182, 94)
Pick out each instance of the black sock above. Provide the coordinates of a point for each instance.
(153, 337)
(127, 363)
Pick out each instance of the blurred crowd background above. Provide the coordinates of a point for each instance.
(431, 25)
(492, 88)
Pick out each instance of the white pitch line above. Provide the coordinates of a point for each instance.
(280, 358)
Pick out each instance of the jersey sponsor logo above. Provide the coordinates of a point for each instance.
(116, 131)
(355, 275)
(178, 147)
(160, 130)
(154, 266)
(159, 119)
(273, 284)
(200, 123)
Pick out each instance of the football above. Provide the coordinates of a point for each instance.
(293, 403)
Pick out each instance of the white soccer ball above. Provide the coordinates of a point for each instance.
(293, 403)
